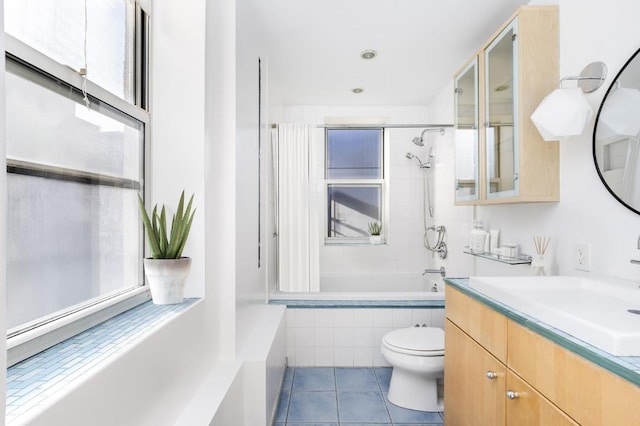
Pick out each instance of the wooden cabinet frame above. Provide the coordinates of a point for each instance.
(537, 66)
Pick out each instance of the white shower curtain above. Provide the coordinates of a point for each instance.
(297, 214)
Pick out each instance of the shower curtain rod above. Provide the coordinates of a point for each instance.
(377, 126)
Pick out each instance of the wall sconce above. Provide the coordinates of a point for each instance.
(566, 111)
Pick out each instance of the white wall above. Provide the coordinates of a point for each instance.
(456, 219)
(250, 278)
(3, 223)
(404, 252)
(220, 172)
(177, 129)
(589, 31)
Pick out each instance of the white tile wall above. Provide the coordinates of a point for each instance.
(348, 337)
(404, 251)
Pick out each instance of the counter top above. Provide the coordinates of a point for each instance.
(627, 367)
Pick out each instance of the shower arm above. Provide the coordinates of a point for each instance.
(432, 129)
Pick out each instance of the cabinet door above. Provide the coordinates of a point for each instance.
(466, 133)
(474, 382)
(526, 407)
(585, 391)
(501, 106)
(481, 323)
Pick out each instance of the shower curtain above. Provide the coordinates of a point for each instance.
(296, 209)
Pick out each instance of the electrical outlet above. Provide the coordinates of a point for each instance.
(582, 257)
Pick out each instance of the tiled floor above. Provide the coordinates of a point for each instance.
(343, 396)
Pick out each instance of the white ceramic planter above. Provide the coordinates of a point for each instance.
(375, 239)
(166, 278)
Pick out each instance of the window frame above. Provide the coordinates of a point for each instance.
(382, 183)
(53, 329)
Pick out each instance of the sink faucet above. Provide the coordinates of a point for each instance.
(440, 271)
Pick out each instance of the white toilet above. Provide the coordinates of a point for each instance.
(417, 357)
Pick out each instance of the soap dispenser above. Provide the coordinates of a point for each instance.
(478, 237)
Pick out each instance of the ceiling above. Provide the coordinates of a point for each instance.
(313, 47)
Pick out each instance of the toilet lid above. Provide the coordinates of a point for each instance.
(423, 339)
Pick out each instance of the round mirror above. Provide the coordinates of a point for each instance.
(616, 136)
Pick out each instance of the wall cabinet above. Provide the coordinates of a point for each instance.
(466, 133)
(512, 73)
(529, 380)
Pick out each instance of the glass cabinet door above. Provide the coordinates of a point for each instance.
(501, 127)
(466, 133)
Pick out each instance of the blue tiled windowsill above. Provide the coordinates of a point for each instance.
(37, 381)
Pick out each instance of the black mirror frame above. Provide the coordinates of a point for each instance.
(595, 131)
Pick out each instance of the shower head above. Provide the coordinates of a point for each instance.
(418, 140)
(422, 165)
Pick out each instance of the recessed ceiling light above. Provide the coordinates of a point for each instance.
(368, 54)
(357, 90)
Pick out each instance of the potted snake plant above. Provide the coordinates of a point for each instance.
(166, 270)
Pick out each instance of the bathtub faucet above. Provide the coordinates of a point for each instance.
(440, 271)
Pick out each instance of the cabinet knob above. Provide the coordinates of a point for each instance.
(512, 394)
(492, 375)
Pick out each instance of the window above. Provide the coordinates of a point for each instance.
(57, 29)
(75, 165)
(355, 182)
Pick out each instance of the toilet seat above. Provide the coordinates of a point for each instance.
(417, 341)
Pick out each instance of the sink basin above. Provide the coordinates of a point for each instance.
(596, 311)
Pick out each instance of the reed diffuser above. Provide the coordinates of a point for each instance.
(540, 265)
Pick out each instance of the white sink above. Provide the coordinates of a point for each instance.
(593, 310)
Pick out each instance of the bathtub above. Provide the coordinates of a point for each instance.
(398, 290)
(377, 283)
(343, 325)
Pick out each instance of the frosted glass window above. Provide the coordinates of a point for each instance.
(74, 233)
(57, 29)
(354, 153)
(67, 243)
(68, 134)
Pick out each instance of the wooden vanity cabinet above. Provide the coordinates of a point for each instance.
(554, 385)
(477, 383)
(516, 68)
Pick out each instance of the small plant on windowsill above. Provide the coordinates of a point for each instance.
(167, 269)
(375, 231)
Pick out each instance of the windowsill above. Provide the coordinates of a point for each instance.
(40, 380)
